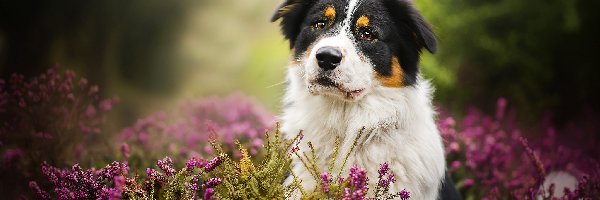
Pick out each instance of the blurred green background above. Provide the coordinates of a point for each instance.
(539, 54)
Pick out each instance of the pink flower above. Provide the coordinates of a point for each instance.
(166, 165)
(455, 165)
(325, 179)
(194, 162)
(125, 150)
(214, 163)
(404, 195)
(208, 193)
(39, 192)
(10, 156)
(468, 183)
(212, 182)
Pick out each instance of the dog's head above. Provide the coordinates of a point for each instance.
(348, 48)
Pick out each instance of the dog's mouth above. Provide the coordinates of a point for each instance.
(348, 94)
(327, 82)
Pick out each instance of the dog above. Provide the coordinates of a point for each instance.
(355, 70)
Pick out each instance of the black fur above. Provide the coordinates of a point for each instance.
(292, 13)
(296, 24)
(448, 191)
(401, 32)
(398, 28)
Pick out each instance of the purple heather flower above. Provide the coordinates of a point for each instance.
(107, 104)
(468, 183)
(83, 83)
(116, 192)
(193, 185)
(454, 147)
(357, 177)
(155, 176)
(383, 169)
(216, 161)
(404, 195)
(500, 108)
(166, 165)
(119, 181)
(114, 169)
(212, 182)
(194, 162)
(125, 150)
(90, 111)
(44, 110)
(208, 149)
(186, 132)
(385, 182)
(93, 90)
(75, 183)
(541, 172)
(41, 194)
(325, 179)
(10, 156)
(208, 193)
(455, 165)
(347, 194)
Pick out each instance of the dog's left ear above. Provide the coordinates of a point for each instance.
(424, 32)
(404, 12)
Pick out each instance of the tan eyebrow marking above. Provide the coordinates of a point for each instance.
(329, 13)
(395, 80)
(362, 21)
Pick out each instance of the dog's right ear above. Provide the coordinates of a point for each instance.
(283, 8)
(291, 13)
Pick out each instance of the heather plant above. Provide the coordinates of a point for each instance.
(184, 133)
(491, 159)
(115, 181)
(354, 186)
(244, 180)
(50, 117)
(75, 183)
(218, 178)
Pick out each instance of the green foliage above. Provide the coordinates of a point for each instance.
(522, 50)
(245, 181)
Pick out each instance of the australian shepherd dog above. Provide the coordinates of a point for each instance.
(355, 67)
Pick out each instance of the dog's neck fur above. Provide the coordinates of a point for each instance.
(399, 128)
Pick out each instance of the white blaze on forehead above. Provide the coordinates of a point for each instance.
(350, 9)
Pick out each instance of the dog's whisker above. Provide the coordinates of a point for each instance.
(276, 84)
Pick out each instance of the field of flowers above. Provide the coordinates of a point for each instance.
(53, 147)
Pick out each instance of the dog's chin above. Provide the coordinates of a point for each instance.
(337, 92)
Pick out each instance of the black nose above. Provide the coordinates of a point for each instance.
(329, 57)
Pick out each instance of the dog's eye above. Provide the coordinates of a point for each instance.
(320, 24)
(366, 34)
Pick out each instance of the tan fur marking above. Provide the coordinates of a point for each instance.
(329, 13)
(296, 62)
(396, 78)
(362, 21)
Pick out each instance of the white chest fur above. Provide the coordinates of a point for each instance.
(399, 129)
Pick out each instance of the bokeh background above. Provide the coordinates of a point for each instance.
(150, 53)
(540, 55)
